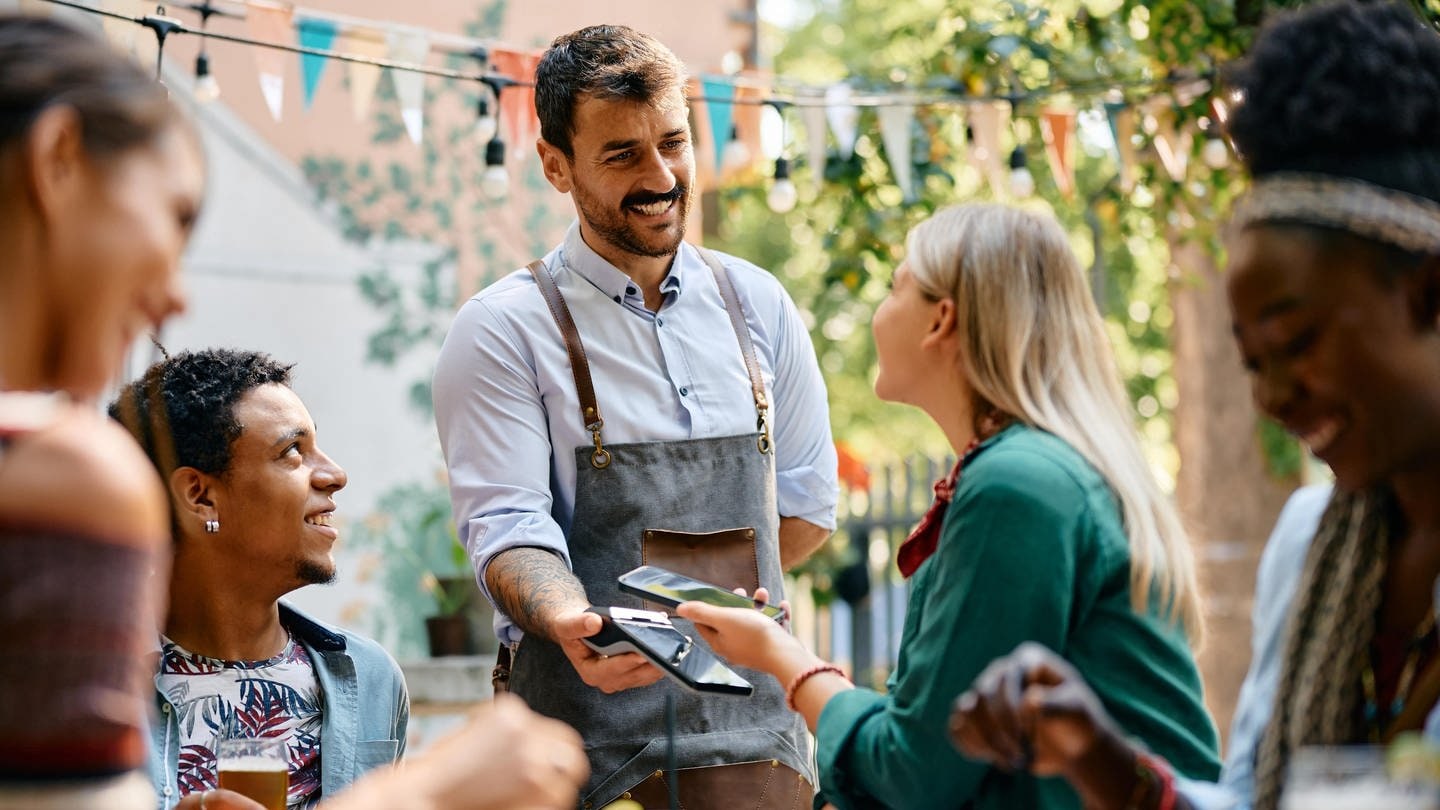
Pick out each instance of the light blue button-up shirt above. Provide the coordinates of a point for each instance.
(509, 416)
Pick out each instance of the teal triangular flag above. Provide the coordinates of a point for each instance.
(718, 93)
(320, 35)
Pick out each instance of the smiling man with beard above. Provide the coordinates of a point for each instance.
(252, 498)
(631, 398)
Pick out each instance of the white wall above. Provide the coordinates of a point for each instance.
(268, 270)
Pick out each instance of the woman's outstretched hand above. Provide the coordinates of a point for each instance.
(746, 637)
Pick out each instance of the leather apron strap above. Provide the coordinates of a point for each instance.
(747, 347)
(580, 364)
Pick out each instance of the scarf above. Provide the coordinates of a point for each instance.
(1332, 621)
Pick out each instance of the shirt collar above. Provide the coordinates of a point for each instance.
(583, 259)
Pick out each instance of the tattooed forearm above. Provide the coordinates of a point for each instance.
(532, 585)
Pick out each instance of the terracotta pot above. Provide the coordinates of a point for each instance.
(448, 635)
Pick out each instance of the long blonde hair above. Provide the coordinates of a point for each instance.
(1033, 347)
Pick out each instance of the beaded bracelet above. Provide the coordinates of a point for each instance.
(800, 680)
(1152, 772)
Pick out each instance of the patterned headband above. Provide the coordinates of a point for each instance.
(1404, 220)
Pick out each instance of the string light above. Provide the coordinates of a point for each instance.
(1022, 182)
(1215, 154)
(207, 88)
(736, 155)
(782, 196)
(495, 180)
(486, 124)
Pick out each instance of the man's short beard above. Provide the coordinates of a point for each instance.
(313, 573)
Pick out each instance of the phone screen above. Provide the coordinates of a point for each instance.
(671, 588)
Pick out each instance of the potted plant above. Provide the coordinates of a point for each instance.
(449, 631)
(424, 574)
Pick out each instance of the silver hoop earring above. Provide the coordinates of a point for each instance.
(212, 527)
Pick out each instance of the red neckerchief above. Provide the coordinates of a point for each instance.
(925, 537)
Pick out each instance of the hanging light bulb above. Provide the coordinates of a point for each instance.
(1022, 182)
(1215, 154)
(782, 196)
(736, 156)
(495, 180)
(207, 89)
(486, 124)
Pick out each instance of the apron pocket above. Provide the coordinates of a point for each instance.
(725, 558)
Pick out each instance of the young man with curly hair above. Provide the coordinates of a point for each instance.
(252, 498)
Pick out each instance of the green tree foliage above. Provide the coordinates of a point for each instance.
(836, 251)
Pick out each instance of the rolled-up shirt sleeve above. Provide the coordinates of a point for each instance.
(493, 431)
(806, 477)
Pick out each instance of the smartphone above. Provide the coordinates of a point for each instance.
(651, 634)
(670, 589)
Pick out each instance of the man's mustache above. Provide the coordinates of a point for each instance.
(647, 198)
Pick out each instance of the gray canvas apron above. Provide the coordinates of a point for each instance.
(669, 503)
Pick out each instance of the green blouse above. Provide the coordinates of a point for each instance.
(1032, 548)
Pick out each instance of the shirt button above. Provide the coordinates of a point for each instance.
(659, 321)
(165, 709)
(684, 392)
(168, 791)
(630, 290)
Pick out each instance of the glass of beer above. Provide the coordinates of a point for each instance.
(1352, 778)
(256, 767)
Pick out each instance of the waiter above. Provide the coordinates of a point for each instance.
(632, 399)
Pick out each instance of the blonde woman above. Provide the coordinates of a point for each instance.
(1051, 528)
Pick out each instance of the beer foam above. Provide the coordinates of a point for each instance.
(253, 763)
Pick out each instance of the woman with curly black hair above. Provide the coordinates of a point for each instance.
(1334, 285)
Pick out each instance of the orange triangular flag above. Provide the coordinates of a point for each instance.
(517, 104)
(1057, 127)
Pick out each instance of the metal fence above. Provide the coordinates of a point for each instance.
(859, 625)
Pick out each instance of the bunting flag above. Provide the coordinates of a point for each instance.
(413, 47)
(363, 78)
(844, 118)
(987, 121)
(705, 174)
(814, 118)
(517, 104)
(320, 35)
(1057, 128)
(1122, 130)
(1171, 144)
(718, 93)
(271, 22)
(895, 124)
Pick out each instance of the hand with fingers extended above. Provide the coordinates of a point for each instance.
(608, 673)
(1031, 710)
(743, 636)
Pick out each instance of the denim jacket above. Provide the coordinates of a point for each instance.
(366, 709)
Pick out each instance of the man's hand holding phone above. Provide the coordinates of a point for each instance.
(608, 673)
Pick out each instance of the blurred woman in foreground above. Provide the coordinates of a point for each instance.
(101, 179)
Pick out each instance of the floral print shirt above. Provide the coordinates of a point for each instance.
(214, 699)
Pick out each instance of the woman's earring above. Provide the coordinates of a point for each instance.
(212, 527)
